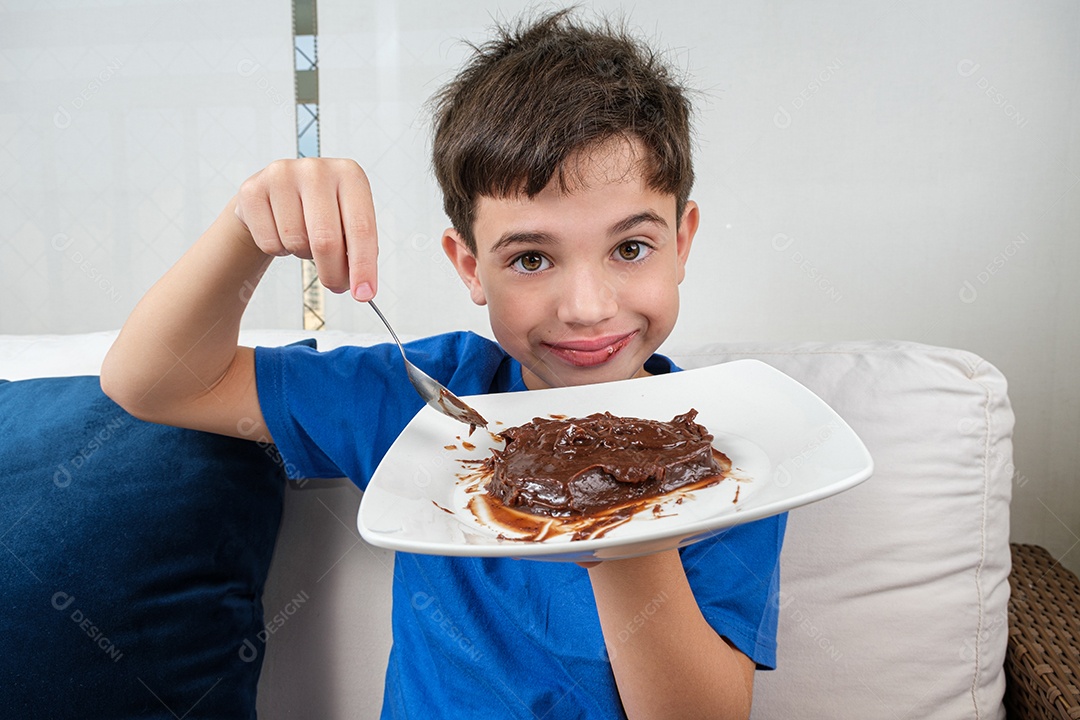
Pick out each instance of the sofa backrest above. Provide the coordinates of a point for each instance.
(894, 593)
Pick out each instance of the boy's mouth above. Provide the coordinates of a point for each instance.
(589, 353)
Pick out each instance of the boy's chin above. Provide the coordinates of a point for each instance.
(551, 376)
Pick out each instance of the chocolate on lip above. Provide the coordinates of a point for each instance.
(611, 341)
(590, 354)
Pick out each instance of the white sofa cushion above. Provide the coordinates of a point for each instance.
(894, 594)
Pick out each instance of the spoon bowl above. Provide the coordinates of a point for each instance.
(431, 390)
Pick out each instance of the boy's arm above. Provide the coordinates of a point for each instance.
(176, 360)
(668, 661)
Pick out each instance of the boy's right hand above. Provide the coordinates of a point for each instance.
(319, 209)
(176, 360)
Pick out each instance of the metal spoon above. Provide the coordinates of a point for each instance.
(431, 390)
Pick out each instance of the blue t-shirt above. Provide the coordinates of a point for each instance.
(490, 637)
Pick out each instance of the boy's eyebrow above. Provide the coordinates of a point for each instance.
(535, 237)
(525, 237)
(647, 216)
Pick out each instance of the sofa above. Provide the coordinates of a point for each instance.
(156, 572)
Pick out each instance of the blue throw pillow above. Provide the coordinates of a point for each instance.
(132, 560)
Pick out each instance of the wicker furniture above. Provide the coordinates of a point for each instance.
(1042, 663)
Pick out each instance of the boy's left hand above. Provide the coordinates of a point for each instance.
(667, 660)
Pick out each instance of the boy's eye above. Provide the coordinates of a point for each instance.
(530, 262)
(632, 250)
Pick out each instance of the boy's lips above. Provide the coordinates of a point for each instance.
(589, 352)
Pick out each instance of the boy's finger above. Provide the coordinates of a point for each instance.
(289, 220)
(361, 237)
(322, 219)
(253, 209)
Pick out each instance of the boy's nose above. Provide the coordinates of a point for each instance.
(587, 298)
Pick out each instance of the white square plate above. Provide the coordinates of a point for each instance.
(787, 446)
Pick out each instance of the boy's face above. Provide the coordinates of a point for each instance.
(582, 286)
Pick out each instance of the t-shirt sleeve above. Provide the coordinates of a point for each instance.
(736, 582)
(335, 414)
(331, 414)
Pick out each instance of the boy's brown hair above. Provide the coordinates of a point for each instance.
(537, 93)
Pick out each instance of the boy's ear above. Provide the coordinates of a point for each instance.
(465, 264)
(684, 238)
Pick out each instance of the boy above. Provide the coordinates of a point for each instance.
(563, 153)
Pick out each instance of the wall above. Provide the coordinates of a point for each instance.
(864, 171)
(124, 129)
(888, 170)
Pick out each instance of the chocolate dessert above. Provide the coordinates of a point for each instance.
(563, 467)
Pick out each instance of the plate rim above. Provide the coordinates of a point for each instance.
(580, 550)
